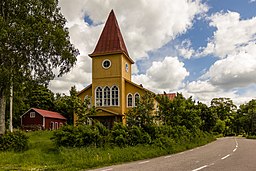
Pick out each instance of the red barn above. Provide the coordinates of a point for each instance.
(42, 119)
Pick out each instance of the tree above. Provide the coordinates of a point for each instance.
(209, 118)
(143, 114)
(68, 105)
(34, 45)
(247, 117)
(226, 111)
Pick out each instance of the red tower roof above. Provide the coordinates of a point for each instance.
(111, 40)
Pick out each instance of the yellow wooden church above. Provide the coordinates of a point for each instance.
(112, 92)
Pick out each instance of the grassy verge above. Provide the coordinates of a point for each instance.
(43, 155)
(251, 137)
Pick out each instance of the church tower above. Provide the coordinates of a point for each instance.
(112, 92)
(111, 65)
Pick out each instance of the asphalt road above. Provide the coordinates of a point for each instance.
(225, 154)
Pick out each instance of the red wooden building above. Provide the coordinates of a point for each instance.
(42, 119)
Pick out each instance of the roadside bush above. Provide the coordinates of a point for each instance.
(138, 136)
(119, 135)
(16, 141)
(164, 142)
(79, 136)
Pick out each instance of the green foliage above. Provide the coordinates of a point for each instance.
(226, 111)
(16, 141)
(143, 113)
(34, 45)
(80, 136)
(43, 155)
(179, 111)
(246, 118)
(119, 135)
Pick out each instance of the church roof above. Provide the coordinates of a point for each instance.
(111, 40)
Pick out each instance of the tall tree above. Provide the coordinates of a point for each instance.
(247, 117)
(225, 110)
(34, 45)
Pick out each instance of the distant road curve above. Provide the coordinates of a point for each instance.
(225, 154)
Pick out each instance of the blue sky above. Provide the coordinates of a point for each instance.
(204, 49)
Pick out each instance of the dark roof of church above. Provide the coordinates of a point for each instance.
(111, 40)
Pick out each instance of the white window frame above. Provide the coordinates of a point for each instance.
(32, 114)
(100, 98)
(105, 61)
(129, 94)
(111, 96)
(106, 98)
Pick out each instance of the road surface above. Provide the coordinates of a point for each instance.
(225, 154)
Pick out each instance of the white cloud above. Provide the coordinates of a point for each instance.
(237, 70)
(185, 50)
(234, 42)
(166, 75)
(204, 91)
(231, 35)
(145, 25)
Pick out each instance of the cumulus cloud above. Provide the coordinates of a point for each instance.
(185, 50)
(204, 91)
(234, 42)
(237, 70)
(166, 75)
(231, 35)
(145, 25)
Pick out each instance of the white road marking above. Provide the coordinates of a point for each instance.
(107, 169)
(225, 157)
(191, 150)
(167, 157)
(143, 162)
(234, 150)
(200, 168)
(211, 164)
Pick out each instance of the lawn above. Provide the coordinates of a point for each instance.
(44, 155)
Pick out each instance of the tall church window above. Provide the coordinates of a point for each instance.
(115, 96)
(98, 98)
(129, 100)
(106, 96)
(136, 99)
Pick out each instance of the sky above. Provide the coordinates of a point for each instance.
(200, 48)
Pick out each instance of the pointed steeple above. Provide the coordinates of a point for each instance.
(111, 40)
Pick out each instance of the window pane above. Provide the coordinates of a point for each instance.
(106, 96)
(99, 96)
(115, 96)
(129, 99)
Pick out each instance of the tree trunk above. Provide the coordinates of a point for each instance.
(2, 112)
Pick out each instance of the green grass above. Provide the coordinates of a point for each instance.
(43, 155)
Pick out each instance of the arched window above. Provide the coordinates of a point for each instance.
(136, 99)
(129, 100)
(106, 96)
(98, 99)
(115, 95)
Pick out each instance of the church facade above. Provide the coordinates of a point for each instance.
(112, 92)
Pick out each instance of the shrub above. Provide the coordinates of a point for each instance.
(119, 135)
(16, 141)
(164, 142)
(138, 136)
(80, 136)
